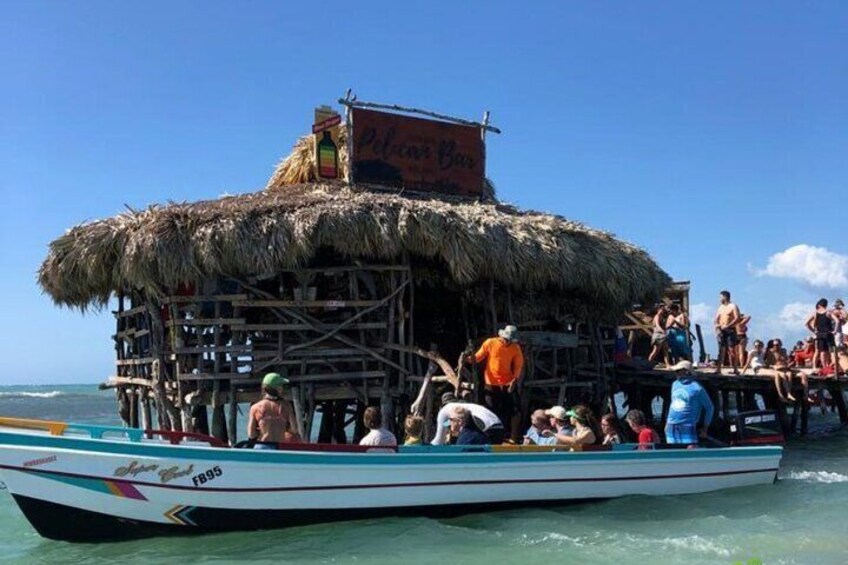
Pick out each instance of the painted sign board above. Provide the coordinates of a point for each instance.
(326, 131)
(399, 151)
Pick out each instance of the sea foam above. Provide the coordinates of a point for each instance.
(49, 394)
(816, 477)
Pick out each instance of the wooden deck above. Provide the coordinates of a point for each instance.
(728, 391)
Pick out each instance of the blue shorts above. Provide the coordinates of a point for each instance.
(681, 434)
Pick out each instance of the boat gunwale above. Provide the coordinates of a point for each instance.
(418, 455)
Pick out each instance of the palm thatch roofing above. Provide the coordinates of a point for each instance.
(285, 226)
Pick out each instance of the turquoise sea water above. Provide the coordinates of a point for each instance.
(801, 519)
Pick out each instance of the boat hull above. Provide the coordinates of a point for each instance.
(94, 490)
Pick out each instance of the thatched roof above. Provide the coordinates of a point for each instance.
(258, 233)
(285, 225)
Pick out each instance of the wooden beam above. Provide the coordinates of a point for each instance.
(133, 362)
(206, 322)
(214, 298)
(130, 312)
(305, 303)
(306, 327)
(245, 349)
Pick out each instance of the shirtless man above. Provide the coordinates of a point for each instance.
(272, 419)
(725, 326)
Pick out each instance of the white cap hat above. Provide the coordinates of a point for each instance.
(682, 366)
(557, 412)
(509, 332)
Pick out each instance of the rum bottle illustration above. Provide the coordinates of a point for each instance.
(328, 157)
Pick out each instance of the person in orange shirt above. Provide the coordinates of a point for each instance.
(504, 363)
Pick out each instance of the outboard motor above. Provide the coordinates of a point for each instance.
(760, 427)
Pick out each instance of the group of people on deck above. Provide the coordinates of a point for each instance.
(824, 350)
(460, 422)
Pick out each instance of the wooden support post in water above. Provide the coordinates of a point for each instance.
(219, 424)
(297, 402)
(145, 412)
(725, 404)
(839, 401)
(133, 396)
(232, 421)
(200, 420)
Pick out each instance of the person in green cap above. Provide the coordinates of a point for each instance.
(272, 418)
(586, 429)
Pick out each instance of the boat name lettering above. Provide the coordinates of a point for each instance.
(171, 473)
(42, 461)
(134, 468)
(207, 475)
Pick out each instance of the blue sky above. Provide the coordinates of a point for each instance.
(713, 134)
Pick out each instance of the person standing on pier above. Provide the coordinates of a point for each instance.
(725, 325)
(504, 363)
(689, 402)
(821, 324)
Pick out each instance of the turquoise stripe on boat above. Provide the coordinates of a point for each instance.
(97, 432)
(407, 456)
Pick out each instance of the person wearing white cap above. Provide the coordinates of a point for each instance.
(689, 402)
(504, 363)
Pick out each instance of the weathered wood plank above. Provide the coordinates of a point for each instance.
(214, 298)
(306, 327)
(130, 312)
(305, 303)
(244, 349)
(206, 322)
(134, 362)
(209, 376)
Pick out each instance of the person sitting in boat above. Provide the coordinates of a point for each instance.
(645, 434)
(690, 405)
(272, 419)
(539, 423)
(378, 436)
(756, 358)
(559, 420)
(504, 363)
(489, 423)
(414, 428)
(611, 428)
(465, 429)
(586, 429)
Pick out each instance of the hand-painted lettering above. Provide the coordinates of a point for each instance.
(171, 473)
(134, 469)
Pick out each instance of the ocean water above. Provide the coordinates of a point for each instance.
(801, 519)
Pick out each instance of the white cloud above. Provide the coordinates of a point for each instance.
(787, 323)
(793, 315)
(701, 313)
(816, 266)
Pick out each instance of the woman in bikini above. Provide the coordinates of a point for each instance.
(777, 361)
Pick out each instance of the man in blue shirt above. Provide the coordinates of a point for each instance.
(689, 401)
(539, 422)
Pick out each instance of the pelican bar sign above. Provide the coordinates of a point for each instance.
(416, 154)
